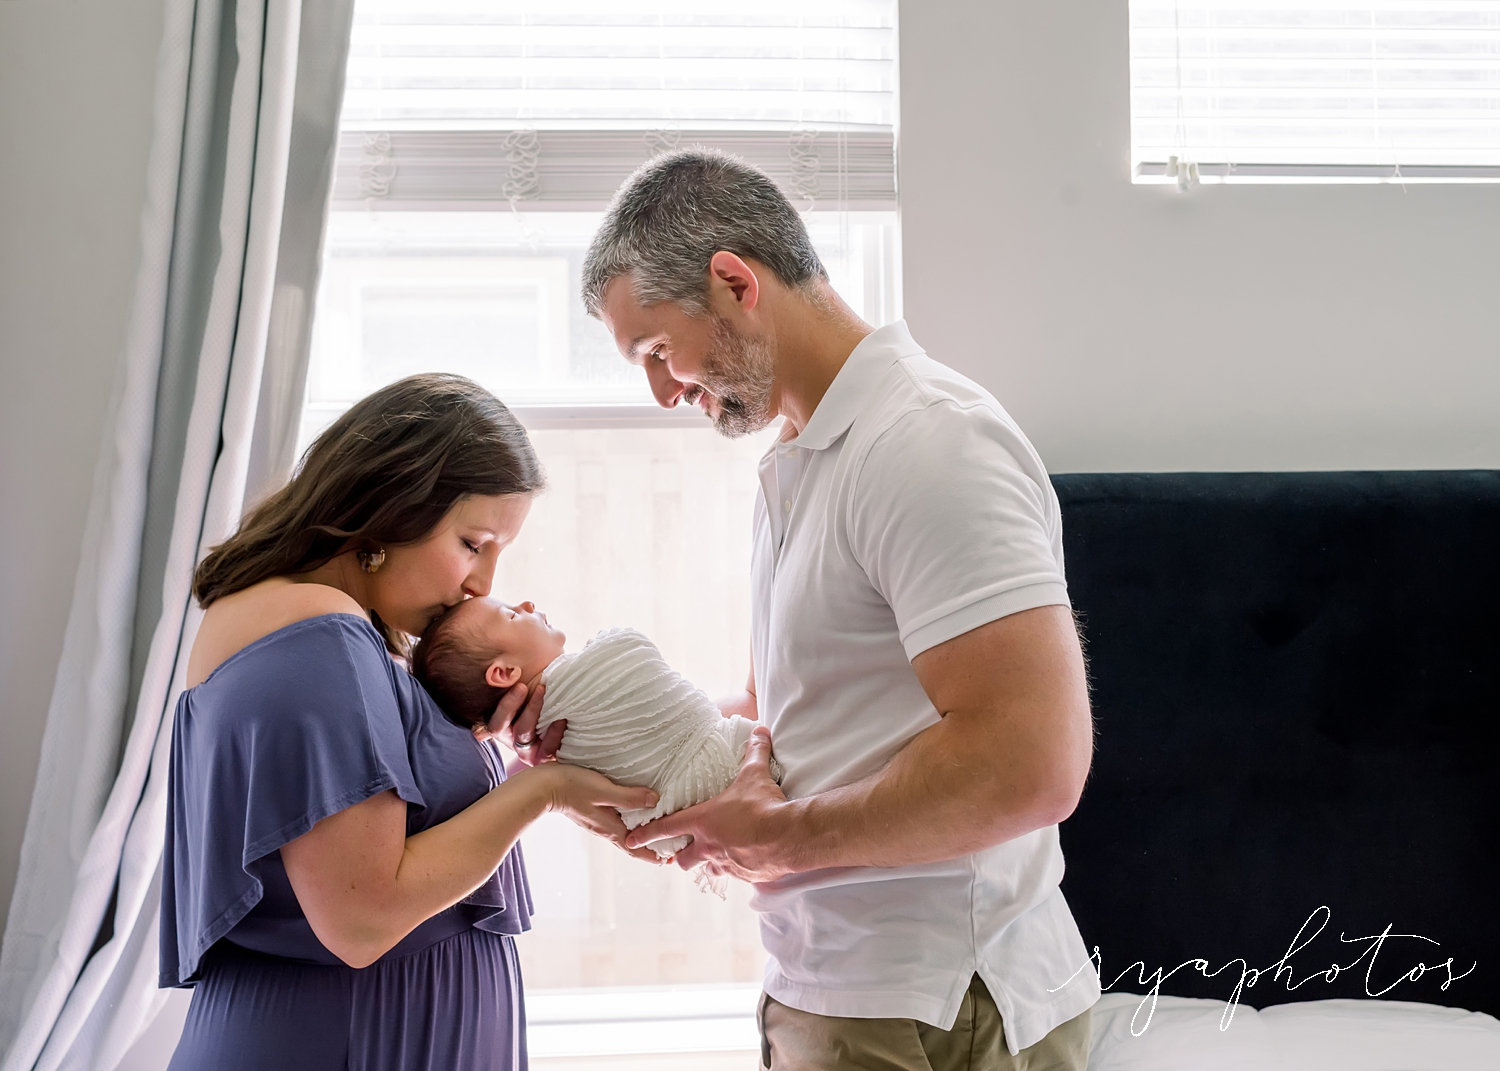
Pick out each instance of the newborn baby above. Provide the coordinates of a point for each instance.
(630, 715)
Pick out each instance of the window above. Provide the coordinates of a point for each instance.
(480, 144)
(1405, 90)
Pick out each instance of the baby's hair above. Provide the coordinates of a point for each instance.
(450, 663)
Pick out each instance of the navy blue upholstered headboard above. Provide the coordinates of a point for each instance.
(1296, 687)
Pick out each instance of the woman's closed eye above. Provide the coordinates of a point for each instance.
(473, 547)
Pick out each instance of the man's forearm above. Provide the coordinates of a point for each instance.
(741, 703)
(1009, 756)
(941, 797)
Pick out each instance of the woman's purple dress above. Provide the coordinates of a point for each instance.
(299, 725)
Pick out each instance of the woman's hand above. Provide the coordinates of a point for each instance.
(592, 801)
(514, 725)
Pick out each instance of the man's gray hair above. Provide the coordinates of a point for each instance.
(676, 211)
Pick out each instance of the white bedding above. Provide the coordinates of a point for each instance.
(1183, 1034)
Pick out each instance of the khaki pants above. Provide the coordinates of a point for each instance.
(793, 1040)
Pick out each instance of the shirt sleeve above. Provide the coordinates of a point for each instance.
(298, 726)
(956, 523)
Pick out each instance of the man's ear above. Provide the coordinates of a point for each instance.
(730, 272)
(501, 674)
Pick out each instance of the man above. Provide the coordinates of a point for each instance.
(913, 652)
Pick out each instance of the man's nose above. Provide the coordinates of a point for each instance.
(666, 389)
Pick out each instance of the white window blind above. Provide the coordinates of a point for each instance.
(1334, 89)
(496, 102)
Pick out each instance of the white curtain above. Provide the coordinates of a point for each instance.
(203, 418)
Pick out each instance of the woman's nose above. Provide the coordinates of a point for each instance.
(527, 607)
(480, 577)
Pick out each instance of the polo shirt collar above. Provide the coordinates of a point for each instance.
(853, 388)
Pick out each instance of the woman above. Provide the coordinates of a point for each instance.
(340, 878)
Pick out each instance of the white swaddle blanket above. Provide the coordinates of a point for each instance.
(637, 721)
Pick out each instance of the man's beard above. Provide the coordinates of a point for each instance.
(738, 373)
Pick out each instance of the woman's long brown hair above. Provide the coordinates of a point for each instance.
(383, 474)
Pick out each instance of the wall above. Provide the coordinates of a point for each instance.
(76, 81)
(1140, 327)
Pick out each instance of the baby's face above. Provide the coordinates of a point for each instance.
(517, 632)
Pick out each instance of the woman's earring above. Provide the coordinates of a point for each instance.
(371, 560)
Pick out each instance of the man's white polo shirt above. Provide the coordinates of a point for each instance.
(910, 510)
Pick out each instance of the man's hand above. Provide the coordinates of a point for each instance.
(743, 832)
(514, 725)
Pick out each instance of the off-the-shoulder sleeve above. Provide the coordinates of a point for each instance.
(297, 726)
